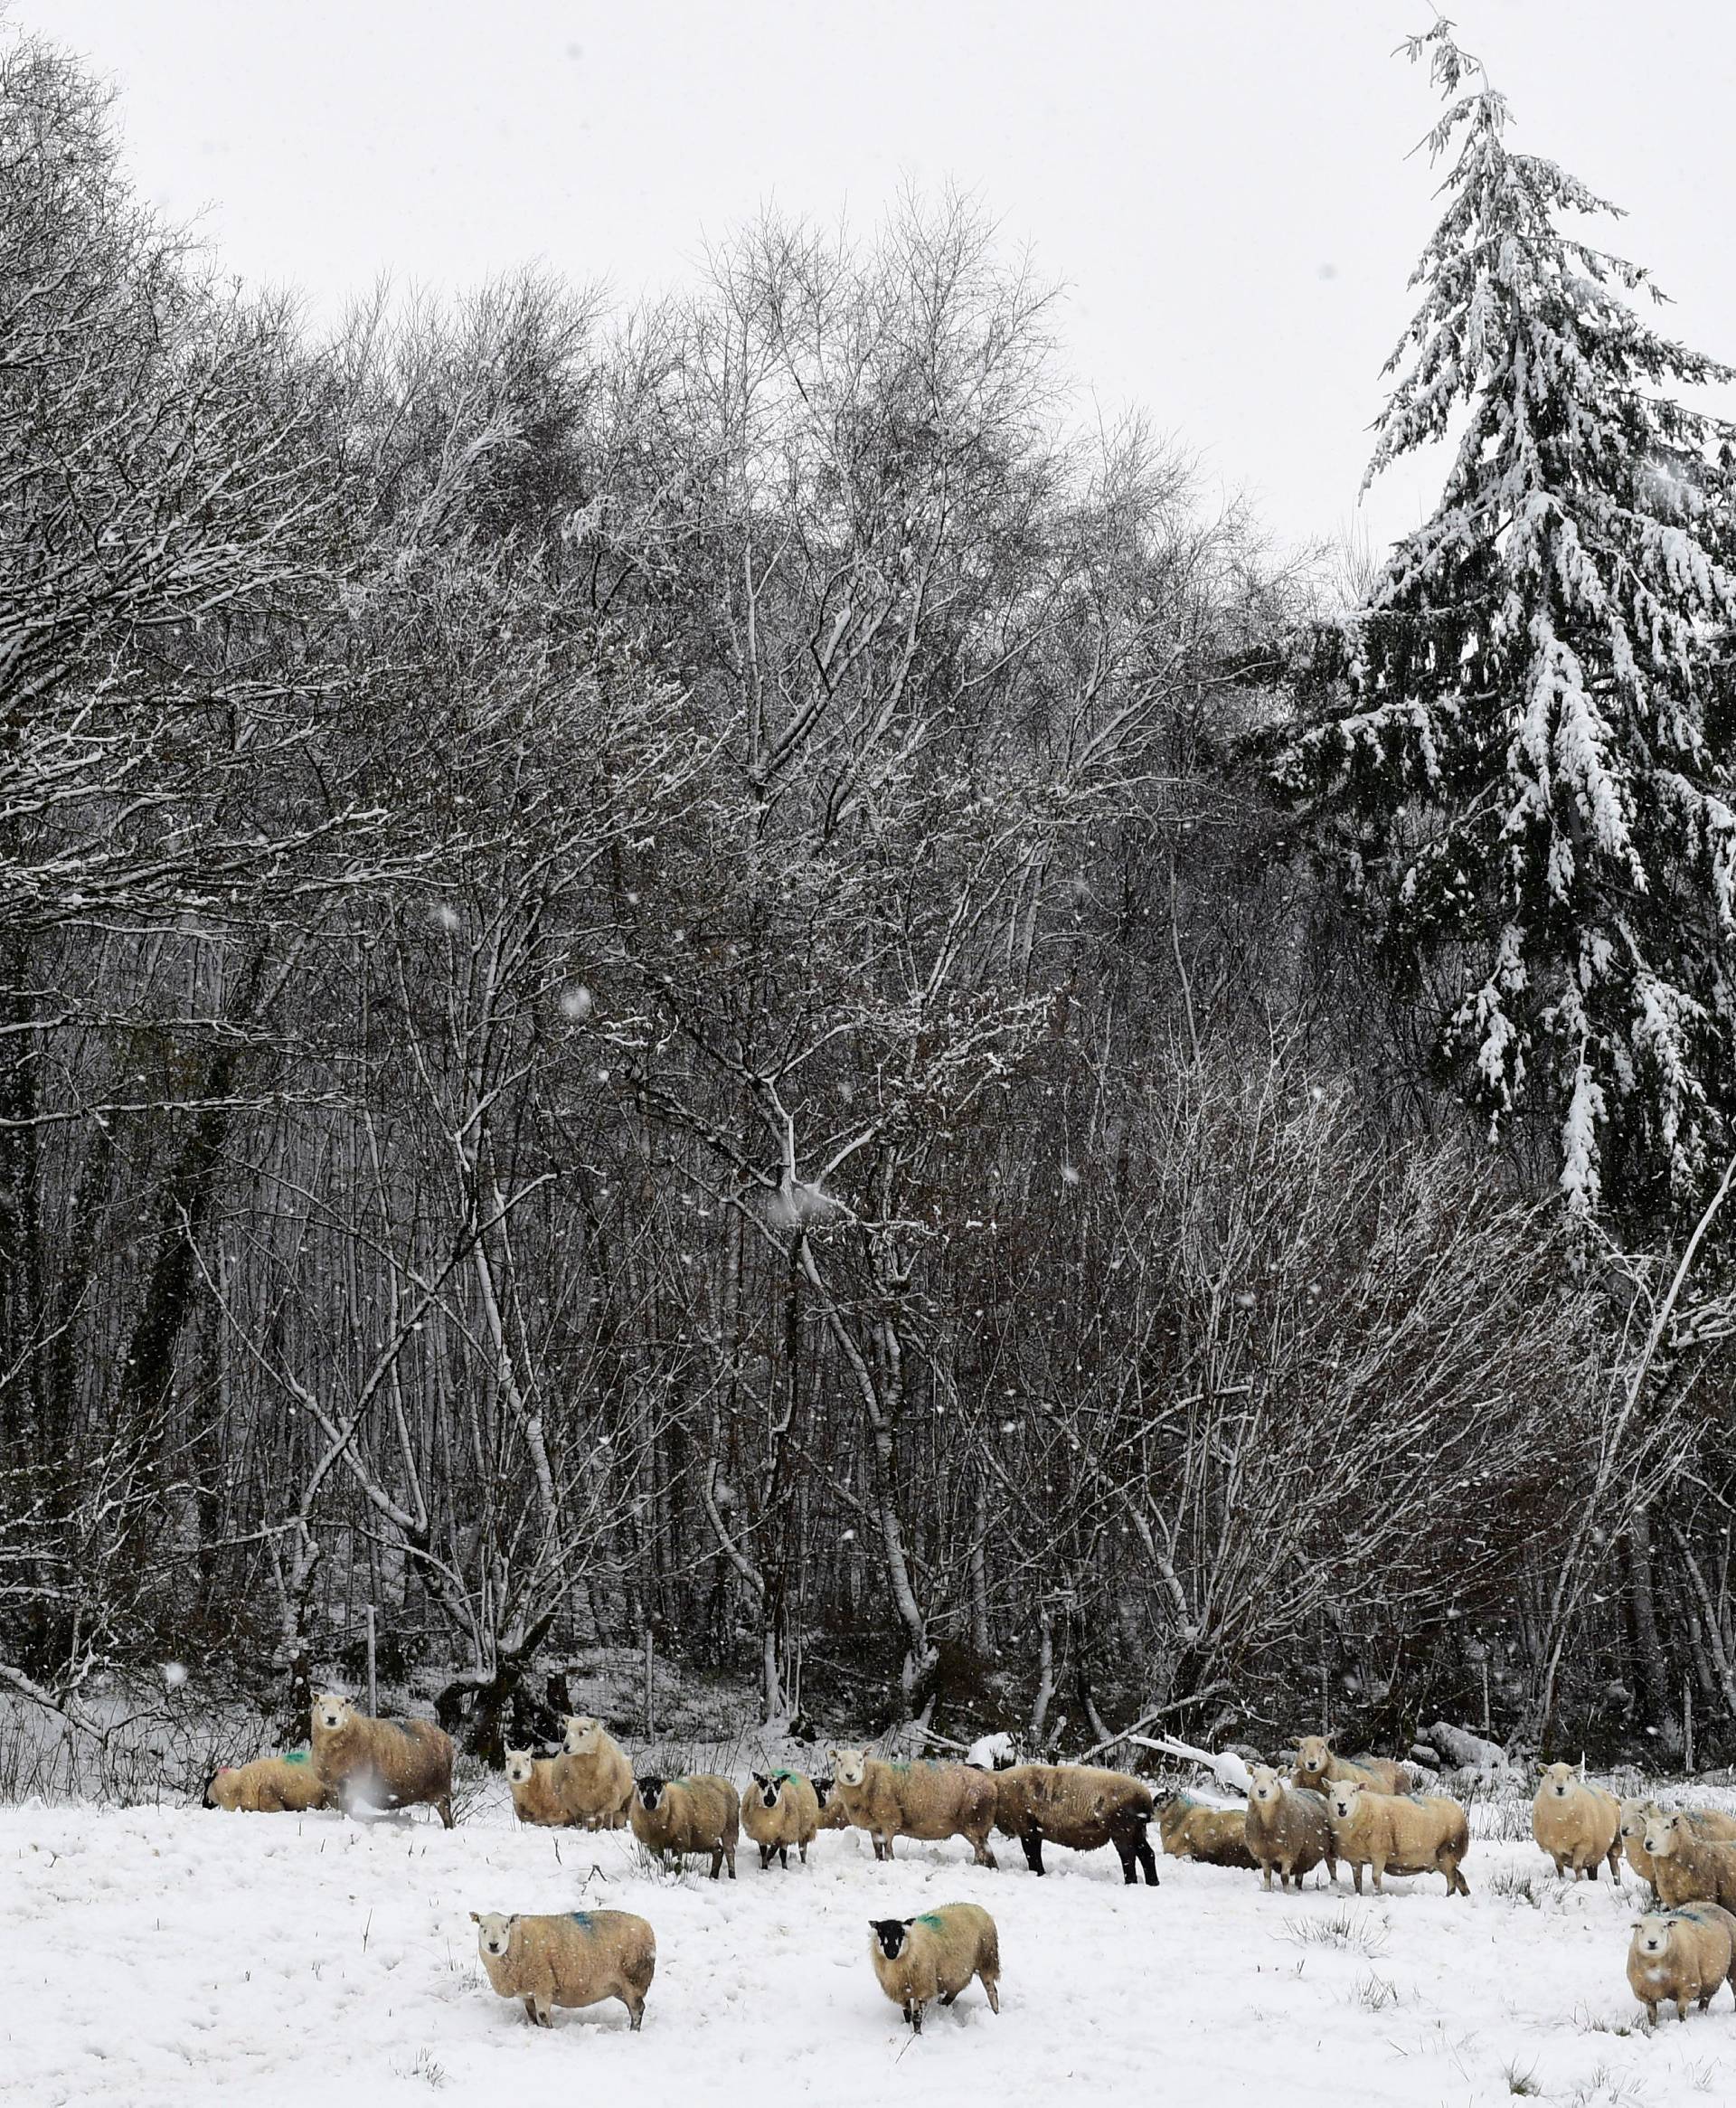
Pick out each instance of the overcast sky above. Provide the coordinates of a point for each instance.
(1222, 184)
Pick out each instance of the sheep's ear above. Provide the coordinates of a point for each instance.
(513, 1919)
(476, 1918)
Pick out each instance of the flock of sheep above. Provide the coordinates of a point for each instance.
(1329, 1808)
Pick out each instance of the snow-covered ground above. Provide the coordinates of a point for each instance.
(171, 1955)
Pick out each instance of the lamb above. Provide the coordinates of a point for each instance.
(577, 1958)
(1577, 1824)
(1318, 1766)
(781, 1809)
(921, 1958)
(1688, 1867)
(390, 1764)
(273, 1785)
(534, 1799)
(593, 1780)
(925, 1800)
(1396, 1834)
(1680, 1956)
(1287, 1828)
(1079, 1807)
(825, 1792)
(672, 1816)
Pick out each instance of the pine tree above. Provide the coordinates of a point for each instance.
(1530, 756)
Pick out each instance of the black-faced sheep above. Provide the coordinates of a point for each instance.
(781, 1809)
(676, 1816)
(935, 1955)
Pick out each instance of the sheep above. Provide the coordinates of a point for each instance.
(1193, 1829)
(1635, 1815)
(672, 1816)
(927, 1800)
(781, 1809)
(1318, 1766)
(1287, 1828)
(825, 1792)
(390, 1764)
(1577, 1824)
(577, 1958)
(1687, 1866)
(1680, 1956)
(1079, 1807)
(1706, 1822)
(534, 1799)
(273, 1785)
(1398, 1834)
(593, 1780)
(935, 1955)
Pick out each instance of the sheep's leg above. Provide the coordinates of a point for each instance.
(635, 2014)
(444, 1806)
(991, 1985)
(765, 1858)
(1266, 1874)
(1680, 2008)
(1032, 1840)
(1123, 1851)
(530, 2012)
(890, 1853)
(1379, 1867)
(728, 1853)
(717, 1862)
(803, 1851)
(979, 1846)
(1331, 1868)
(913, 2014)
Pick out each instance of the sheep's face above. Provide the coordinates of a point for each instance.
(651, 1789)
(768, 1789)
(890, 1935)
(852, 1767)
(1652, 1937)
(520, 1766)
(1264, 1785)
(1313, 1753)
(1664, 1834)
(1559, 1781)
(331, 1712)
(584, 1734)
(494, 1933)
(1635, 1816)
(1342, 1796)
(823, 1788)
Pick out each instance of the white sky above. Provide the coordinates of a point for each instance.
(1223, 184)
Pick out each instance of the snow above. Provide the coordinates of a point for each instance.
(159, 1955)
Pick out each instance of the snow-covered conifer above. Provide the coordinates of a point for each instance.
(1527, 757)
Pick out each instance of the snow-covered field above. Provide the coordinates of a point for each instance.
(171, 1955)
